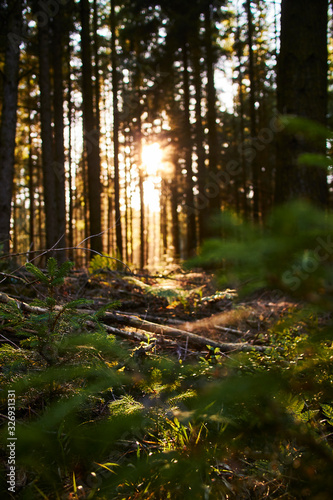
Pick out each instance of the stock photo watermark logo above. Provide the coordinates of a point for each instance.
(47, 9)
(11, 441)
(234, 167)
(294, 277)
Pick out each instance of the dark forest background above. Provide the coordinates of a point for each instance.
(86, 86)
(138, 139)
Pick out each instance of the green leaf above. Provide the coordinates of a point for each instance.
(310, 129)
(52, 267)
(61, 273)
(111, 305)
(37, 273)
(74, 304)
(328, 412)
(315, 160)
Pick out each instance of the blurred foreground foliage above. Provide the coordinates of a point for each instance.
(292, 253)
(94, 420)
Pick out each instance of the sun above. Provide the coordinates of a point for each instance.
(152, 159)
(152, 166)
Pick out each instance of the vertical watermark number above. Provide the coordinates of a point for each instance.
(11, 442)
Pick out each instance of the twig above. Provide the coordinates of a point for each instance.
(53, 249)
(150, 317)
(230, 330)
(186, 348)
(10, 341)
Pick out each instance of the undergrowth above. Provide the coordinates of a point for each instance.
(93, 420)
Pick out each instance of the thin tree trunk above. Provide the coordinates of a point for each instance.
(119, 239)
(174, 212)
(142, 222)
(49, 176)
(41, 215)
(241, 121)
(191, 240)
(91, 133)
(58, 100)
(213, 153)
(70, 178)
(164, 218)
(253, 127)
(200, 150)
(126, 211)
(97, 93)
(8, 121)
(31, 195)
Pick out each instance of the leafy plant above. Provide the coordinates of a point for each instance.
(104, 261)
(104, 424)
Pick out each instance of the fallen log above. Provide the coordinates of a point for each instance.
(152, 318)
(141, 324)
(6, 299)
(191, 338)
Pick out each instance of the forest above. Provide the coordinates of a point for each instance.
(166, 254)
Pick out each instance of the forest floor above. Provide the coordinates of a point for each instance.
(66, 343)
(179, 303)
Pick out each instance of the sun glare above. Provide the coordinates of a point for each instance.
(152, 165)
(152, 158)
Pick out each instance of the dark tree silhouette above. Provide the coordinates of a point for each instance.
(302, 91)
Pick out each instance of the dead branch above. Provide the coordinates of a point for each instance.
(193, 339)
(141, 324)
(6, 299)
(227, 329)
(152, 318)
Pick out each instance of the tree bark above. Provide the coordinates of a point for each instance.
(91, 133)
(8, 120)
(115, 79)
(302, 91)
(242, 183)
(253, 125)
(199, 143)
(69, 155)
(31, 194)
(213, 149)
(49, 166)
(191, 240)
(174, 209)
(58, 100)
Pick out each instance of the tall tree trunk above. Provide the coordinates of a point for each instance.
(58, 104)
(41, 215)
(142, 205)
(69, 157)
(49, 171)
(8, 121)
(199, 144)
(213, 149)
(302, 91)
(241, 121)
(31, 194)
(97, 90)
(191, 240)
(253, 127)
(174, 210)
(164, 218)
(91, 133)
(119, 240)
